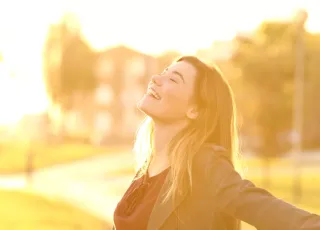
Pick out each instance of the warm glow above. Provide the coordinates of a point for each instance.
(149, 26)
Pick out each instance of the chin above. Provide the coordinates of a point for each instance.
(145, 107)
(147, 111)
(150, 108)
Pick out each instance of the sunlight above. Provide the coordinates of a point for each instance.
(17, 100)
(100, 57)
(21, 44)
(9, 100)
(152, 31)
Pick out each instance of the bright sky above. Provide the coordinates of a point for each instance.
(151, 26)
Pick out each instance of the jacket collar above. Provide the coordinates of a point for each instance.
(161, 211)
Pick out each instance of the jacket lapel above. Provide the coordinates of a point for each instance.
(161, 211)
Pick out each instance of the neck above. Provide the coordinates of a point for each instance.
(163, 134)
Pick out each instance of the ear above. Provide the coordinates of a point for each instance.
(193, 113)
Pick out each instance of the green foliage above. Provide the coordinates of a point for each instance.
(267, 62)
(77, 67)
(68, 63)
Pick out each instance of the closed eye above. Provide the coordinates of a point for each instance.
(171, 79)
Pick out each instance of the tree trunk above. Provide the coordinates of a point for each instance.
(266, 178)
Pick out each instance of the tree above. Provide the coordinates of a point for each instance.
(68, 64)
(311, 124)
(267, 63)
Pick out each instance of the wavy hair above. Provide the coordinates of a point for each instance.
(215, 124)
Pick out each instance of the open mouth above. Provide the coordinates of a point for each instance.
(153, 94)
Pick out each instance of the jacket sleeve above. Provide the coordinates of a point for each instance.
(241, 199)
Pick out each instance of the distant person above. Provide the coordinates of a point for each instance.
(29, 165)
(187, 179)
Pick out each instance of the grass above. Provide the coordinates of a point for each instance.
(13, 155)
(26, 211)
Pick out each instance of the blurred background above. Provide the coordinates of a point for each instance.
(71, 73)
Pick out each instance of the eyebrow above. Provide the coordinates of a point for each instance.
(177, 73)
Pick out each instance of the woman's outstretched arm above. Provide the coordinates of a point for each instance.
(243, 200)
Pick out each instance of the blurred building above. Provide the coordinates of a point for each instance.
(122, 74)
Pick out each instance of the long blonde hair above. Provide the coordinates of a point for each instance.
(216, 124)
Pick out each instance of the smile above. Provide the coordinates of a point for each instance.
(153, 93)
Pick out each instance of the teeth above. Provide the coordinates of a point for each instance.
(153, 93)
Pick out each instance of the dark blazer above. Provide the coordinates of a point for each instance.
(220, 198)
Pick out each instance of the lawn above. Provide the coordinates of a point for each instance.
(13, 155)
(26, 211)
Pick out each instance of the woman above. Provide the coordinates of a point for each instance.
(187, 146)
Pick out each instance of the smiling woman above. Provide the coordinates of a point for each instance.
(188, 178)
(168, 93)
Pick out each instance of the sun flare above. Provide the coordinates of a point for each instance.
(159, 28)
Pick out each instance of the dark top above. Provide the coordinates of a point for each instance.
(220, 198)
(134, 209)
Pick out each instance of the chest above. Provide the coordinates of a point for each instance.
(196, 211)
(199, 214)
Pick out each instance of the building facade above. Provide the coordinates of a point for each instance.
(122, 74)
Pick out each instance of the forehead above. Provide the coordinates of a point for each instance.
(187, 70)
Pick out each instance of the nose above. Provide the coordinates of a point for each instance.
(156, 79)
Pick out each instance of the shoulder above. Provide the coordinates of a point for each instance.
(210, 154)
(213, 162)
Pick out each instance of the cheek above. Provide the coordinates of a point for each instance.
(176, 100)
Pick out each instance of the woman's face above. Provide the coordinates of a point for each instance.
(169, 94)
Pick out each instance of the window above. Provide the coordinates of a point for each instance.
(105, 68)
(134, 69)
(104, 94)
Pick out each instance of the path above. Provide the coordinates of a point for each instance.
(83, 183)
(89, 184)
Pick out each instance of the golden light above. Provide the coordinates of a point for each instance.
(149, 26)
